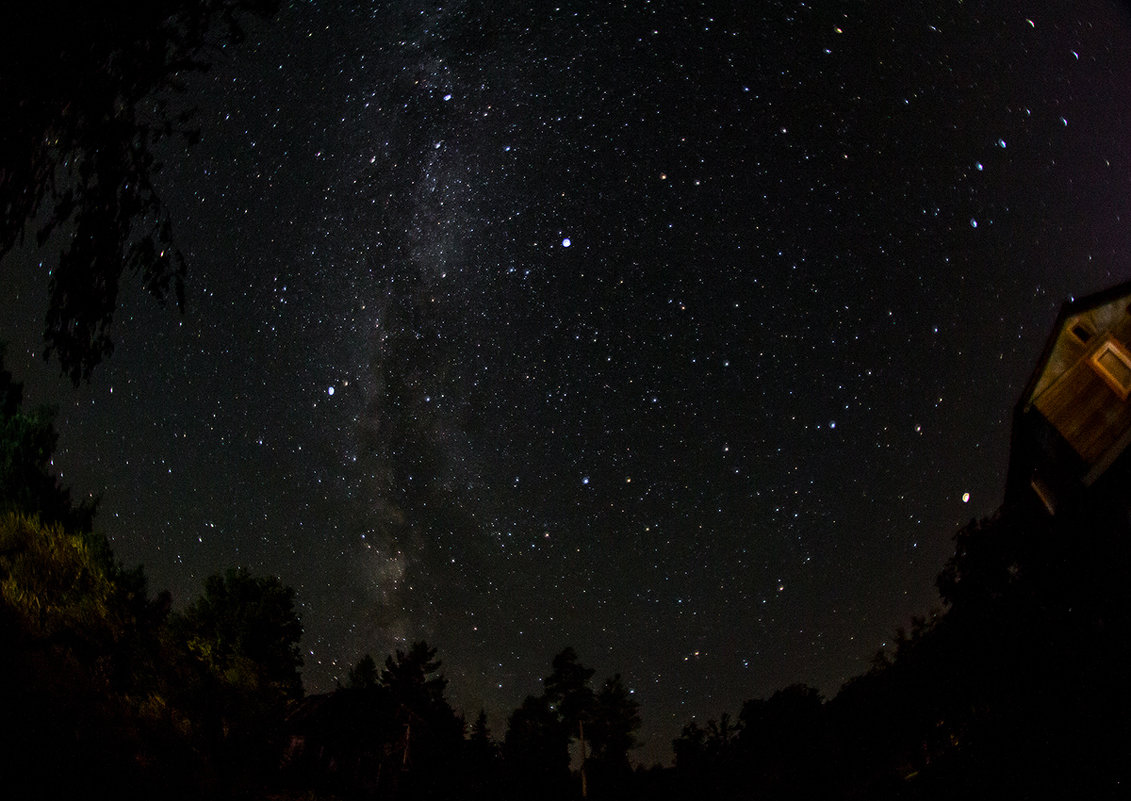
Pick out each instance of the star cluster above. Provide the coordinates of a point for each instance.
(683, 334)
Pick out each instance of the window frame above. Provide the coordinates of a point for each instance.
(1117, 349)
(1082, 327)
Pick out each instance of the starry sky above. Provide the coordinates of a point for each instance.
(681, 333)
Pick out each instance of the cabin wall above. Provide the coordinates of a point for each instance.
(1079, 336)
(1078, 402)
(1073, 426)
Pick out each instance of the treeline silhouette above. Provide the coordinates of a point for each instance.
(107, 692)
(1018, 688)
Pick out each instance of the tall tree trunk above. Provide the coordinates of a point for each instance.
(581, 738)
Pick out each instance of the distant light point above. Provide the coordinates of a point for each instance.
(566, 243)
(966, 497)
(973, 223)
(329, 390)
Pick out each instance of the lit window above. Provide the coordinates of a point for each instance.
(1113, 363)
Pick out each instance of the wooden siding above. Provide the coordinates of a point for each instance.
(1083, 408)
(1067, 351)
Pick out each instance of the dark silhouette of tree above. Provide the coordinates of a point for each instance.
(481, 767)
(705, 759)
(614, 720)
(347, 743)
(987, 561)
(413, 677)
(241, 640)
(363, 675)
(567, 688)
(536, 751)
(480, 733)
(568, 694)
(786, 744)
(86, 90)
(1045, 603)
(27, 444)
(1016, 689)
(245, 627)
(478, 740)
(690, 749)
(391, 734)
(430, 732)
(84, 684)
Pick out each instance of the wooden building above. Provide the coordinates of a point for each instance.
(1072, 424)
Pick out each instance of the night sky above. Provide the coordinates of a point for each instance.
(683, 335)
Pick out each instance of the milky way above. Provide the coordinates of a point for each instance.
(682, 335)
